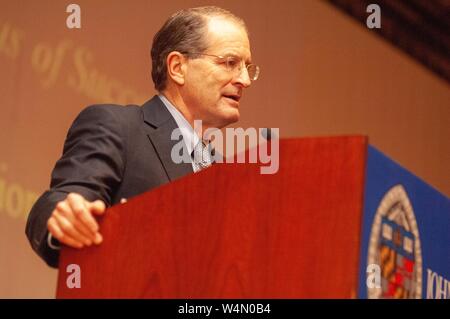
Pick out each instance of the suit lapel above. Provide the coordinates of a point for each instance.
(159, 127)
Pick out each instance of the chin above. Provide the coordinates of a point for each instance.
(227, 118)
(232, 116)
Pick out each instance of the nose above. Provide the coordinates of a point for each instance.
(243, 78)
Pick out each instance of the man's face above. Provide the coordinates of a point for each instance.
(211, 91)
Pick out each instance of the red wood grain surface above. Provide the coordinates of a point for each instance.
(230, 232)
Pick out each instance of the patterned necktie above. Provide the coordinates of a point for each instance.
(201, 156)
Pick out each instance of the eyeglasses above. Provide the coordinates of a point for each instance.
(234, 64)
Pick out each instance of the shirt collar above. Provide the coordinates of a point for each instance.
(190, 138)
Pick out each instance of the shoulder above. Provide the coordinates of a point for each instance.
(103, 121)
(108, 115)
(101, 111)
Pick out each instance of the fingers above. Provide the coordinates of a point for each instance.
(72, 222)
(98, 207)
(80, 208)
(58, 233)
(69, 229)
(98, 238)
(77, 220)
(123, 200)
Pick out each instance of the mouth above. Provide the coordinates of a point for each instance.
(234, 97)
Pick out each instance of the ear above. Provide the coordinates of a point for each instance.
(176, 67)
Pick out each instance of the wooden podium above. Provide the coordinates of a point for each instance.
(230, 232)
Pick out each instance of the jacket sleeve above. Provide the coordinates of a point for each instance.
(92, 164)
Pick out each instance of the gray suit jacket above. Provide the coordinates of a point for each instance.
(111, 152)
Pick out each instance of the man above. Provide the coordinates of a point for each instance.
(201, 63)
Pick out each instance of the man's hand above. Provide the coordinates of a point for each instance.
(72, 221)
